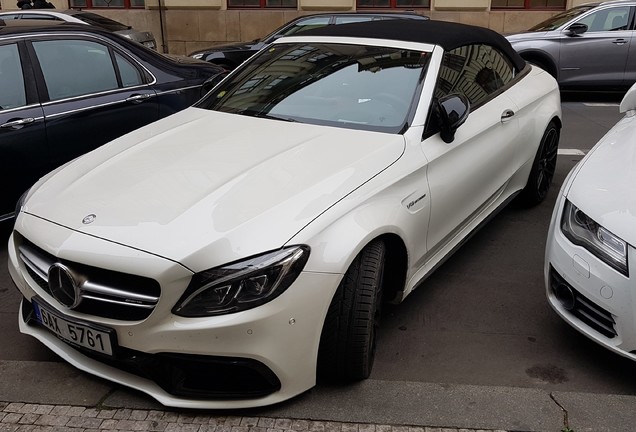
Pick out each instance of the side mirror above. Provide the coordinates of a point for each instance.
(629, 101)
(576, 29)
(452, 112)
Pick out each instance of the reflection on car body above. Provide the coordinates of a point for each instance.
(237, 250)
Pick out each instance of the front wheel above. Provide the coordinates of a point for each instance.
(543, 167)
(347, 343)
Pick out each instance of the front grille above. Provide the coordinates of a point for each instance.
(102, 293)
(585, 309)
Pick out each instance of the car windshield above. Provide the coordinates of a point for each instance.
(100, 21)
(558, 20)
(351, 86)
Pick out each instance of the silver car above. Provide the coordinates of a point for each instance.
(587, 46)
(83, 17)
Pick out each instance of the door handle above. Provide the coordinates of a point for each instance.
(619, 42)
(17, 124)
(507, 115)
(138, 98)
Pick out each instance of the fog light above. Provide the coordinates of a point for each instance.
(565, 295)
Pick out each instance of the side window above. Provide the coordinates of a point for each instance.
(610, 19)
(307, 24)
(12, 91)
(8, 16)
(129, 74)
(477, 71)
(75, 67)
(42, 17)
(352, 19)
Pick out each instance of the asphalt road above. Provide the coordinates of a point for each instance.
(477, 334)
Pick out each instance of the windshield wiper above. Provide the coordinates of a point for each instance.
(273, 117)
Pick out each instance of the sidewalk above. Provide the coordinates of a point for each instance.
(21, 417)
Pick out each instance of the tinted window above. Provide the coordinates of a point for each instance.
(610, 19)
(40, 17)
(307, 24)
(9, 16)
(477, 71)
(75, 67)
(129, 74)
(352, 19)
(12, 92)
(358, 87)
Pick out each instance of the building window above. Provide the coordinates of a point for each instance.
(119, 4)
(262, 4)
(528, 4)
(394, 4)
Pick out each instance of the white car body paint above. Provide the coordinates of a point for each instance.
(244, 186)
(602, 186)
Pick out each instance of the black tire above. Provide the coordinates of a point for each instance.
(347, 343)
(543, 167)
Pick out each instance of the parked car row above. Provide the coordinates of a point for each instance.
(234, 252)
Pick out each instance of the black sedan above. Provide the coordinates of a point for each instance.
(67, 89)
(231, 55)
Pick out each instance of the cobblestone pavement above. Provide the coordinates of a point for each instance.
(21, 417)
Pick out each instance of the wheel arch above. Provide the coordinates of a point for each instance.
(542, 59)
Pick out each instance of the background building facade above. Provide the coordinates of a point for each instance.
(183, 26)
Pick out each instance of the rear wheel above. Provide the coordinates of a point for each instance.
(347, 343)
(543, 167)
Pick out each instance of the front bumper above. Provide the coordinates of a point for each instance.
(592, 297)
(252, 358)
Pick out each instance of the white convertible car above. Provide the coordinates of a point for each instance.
(232, 253)
(590, 259)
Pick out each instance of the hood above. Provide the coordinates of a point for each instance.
(204, 188)
(604, 187)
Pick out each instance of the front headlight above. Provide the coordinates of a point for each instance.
(583, 231)
(242, 285)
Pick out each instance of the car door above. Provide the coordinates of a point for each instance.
(23, 150)
(469, 173)
(601, 53)
(94, 94)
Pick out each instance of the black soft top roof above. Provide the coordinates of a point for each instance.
(448, 35)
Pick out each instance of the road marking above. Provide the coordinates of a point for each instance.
(571, 152)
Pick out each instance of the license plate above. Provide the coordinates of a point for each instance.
(73, 332)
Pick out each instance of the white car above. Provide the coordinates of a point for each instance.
(229, 254)
(82, 17)
(590, 257)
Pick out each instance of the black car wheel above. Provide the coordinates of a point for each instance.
(543, 167)
(347, 343)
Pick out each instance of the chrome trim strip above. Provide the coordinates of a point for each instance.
(102, 289)
(103, 93)
(35, 105)
(35, 263)
(179, 89)
(50, 116)
(122, 303)
(6, 217)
